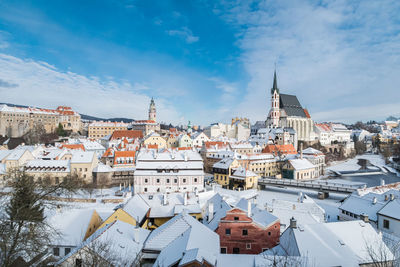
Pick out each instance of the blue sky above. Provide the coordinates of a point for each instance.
(203, 61)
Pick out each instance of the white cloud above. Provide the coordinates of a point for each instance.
(336, 55)
(42, 85)
(184, 33)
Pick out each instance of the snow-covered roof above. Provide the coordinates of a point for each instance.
(223, 163)
(41, 165)
(82, 156)
(4, 154)
(102, 168)
(136, 207)
(16, 154)
(311, 151)
(332, 244)
(242, 173)
(301, 164)
(391, 209)
(183, 239)
(259, 216)
(72, 226)
(118, 242)
(219, 208)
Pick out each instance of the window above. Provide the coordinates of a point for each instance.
(244, 232)
(146, 181)
(167, 181)
(223, 250)
(195, 180)
(236, 218)
(236, 250)
(269, 233)
(175, 181)
(67, 251)
(228, 231)
(158, 181)
(248, 246)
(385, 224)
(184, 180)
(78, 262)
(56, 251)
(145, 189)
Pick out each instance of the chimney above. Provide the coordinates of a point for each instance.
(364, 217)
(248, 209)
(293, 223)
(386, 197)
(165, 200)
(374, 200)
(210, 211)
(186, 156)
(185, 199)
(136, 235)
(301, 150)
(300, 200)
(391, 196)
(382, 182)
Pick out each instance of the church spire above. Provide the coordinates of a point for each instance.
(275, 85)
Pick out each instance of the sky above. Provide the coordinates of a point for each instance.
(202, 61)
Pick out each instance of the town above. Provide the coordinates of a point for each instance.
(279, 192)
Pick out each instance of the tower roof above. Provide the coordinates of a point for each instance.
(275, 85)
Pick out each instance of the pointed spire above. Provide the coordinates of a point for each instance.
(275, 85)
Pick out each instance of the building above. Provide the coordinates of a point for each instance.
(223, 169)
(335, 244)
(298, 169)
(154, 139)
(199, 138)
(247, 229)
(280, 150)
(332, 133)
(182, 241)
(317, 158)
(100, 129)
(243, 179)
(286, 111)
(184, 140)
(17, 121)
(168, 171)
(239, 130)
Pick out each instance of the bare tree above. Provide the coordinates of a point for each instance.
(381, 254)
(24, 232)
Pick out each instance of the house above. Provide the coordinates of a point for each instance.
(246, 229)
(126, 134)
(124, 159)
(168, 171)
(199, 138)
(17, 158)
(116, 244)
(214, 210)
(298, 169)
(389, 217)
(83, 163)
(317, 158)
(51, 171)
(280, 150)
(223, 169)
(242, 178)
(155, 139)
(242, 148)
(184, 140)
(73, 228)
(335, 244)
(182, 241)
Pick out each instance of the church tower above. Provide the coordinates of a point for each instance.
(275, 113)
(152, 111)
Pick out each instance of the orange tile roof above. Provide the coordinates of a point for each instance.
(324, 126)
(283, 149)
(73, 146)
(210, 144)
(109, 153)
(307, 114)
(152, 146)
(119, 134)
(124, 154)
(184, 148)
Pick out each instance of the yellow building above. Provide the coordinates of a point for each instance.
(172, 141)
(298, 169)
(99, 129)
(154, 139)
(243, 179)
(223, 169)
(83, 163)
(17, 158)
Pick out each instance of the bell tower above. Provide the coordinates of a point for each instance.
(152, 111)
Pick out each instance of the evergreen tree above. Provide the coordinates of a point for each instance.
(60, 130)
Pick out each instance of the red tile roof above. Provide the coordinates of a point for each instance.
(124, 154)
(283, 149)
(73, 146)
(307, 114)
(210, 144)
(152, 146)
(119, 134)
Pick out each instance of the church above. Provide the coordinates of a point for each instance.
(287, 112)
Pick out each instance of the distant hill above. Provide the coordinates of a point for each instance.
(392, 118)
(83, 116)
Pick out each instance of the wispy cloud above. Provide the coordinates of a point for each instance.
(40, 84)
(184, 33)
(333, 55)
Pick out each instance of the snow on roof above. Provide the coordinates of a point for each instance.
(184, 240)
(122, 243)
(108, 124)
(72, 226)
(223, 163)
(243, 173)
(92, 145)
(82, 156)
(5, 108)
(102, 168)
(136, 207)
(301, 164)
(16, 154)
(259, 216)
(4, 154)
(304, 212)
(220, 207)
(391, 209)
(311, 151)
(41, 165)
